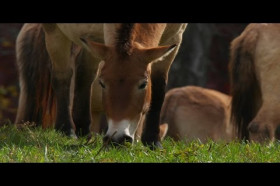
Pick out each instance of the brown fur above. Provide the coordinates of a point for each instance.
(148, 35)
(245, 88)
(196, 113)
(244, 84)
(124, 39)
(37, 102)
(122, 76)
(123, 99)
(255, 82)
(125, 105)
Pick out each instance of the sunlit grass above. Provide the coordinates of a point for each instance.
(30, 144)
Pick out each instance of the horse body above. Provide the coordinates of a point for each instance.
(106, 33)
(74, 31)
(129, 72)
(255, 58)
(196, 113)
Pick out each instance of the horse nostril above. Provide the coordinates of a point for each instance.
(128, 139)
(124, 139)
(277, 133)
(253, 127)
(117, 141)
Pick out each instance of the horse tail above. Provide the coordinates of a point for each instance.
(37, 101)
(245, 88)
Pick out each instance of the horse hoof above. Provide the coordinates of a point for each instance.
(73, 135)
(82, 132)
(68, 132)
(154, 145)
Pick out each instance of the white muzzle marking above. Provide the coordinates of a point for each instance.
(123, 127)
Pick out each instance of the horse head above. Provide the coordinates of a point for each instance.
(126, 86)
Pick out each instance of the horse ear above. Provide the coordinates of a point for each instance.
(158, 53)
(99, 50)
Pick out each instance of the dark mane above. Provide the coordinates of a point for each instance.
(124, 39)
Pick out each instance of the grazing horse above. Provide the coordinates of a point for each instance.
(192, 112)
(132, 76)
(255, 81)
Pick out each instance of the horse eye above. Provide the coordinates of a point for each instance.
(143, 85)
(101, 84)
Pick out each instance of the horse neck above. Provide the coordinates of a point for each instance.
(146, 34)
(110, 33)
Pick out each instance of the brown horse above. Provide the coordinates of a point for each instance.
(132, 76)
(196, 113)
(255, 81)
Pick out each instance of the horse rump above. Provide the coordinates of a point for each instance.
(245, 87)
(36, 101)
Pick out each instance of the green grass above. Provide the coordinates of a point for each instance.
(30, 144)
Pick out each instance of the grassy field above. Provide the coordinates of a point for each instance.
(30, 144)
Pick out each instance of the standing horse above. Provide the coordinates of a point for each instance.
(135, 62)
(255, 81)
(192, 112)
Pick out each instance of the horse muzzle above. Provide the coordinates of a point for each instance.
(120, 132)
(117, 141)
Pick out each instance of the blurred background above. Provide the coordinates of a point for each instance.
(9, 87)
(202, 61)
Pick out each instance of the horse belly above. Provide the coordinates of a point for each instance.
(74, 31)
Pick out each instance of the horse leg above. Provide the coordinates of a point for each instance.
(59, 49)
(86, 68)
(95, 125)
(150, 135)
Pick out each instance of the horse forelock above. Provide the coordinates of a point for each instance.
(124, 39)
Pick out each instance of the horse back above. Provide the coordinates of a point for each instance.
(193, 112)
(74, 31)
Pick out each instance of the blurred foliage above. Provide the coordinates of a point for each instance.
(7, 96)
(8, 73)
